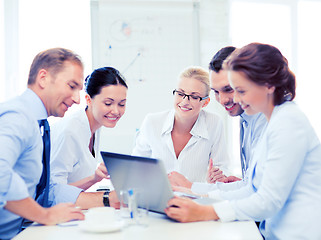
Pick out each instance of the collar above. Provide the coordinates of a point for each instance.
(198, 129)
(249, 118)
(34, 105)
(81, 116)
(169, 122)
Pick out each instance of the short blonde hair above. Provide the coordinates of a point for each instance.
(198, 73)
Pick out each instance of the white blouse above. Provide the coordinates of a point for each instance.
(154, 140)
(70, 158)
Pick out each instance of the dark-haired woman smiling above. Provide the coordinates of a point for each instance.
(75, 138)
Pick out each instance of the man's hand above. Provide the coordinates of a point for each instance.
(232, 179)
(62, 212)
(214, 174)
(177, 179)
(28, 208)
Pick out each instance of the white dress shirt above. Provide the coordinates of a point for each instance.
(154, 140)
(253, 126)
(71, 159)
(284, 186)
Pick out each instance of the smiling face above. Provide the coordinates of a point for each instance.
(252, 97)
(224, 93)
(185, 108)
(107, 107)
(62, 90)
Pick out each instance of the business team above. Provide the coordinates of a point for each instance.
(280, 152)
(283, 178)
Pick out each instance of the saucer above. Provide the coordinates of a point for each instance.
(100, 228)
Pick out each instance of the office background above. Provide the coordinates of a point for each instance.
(151, 41)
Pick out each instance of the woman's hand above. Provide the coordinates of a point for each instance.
(186, 210)
(100, 172)
(177, 179)
(214, 174)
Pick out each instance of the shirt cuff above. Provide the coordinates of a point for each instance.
(224, 211)
(203, 188)
(215, 195)
(61, 193)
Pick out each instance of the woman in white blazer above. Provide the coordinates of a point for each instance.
(284, 187)
(186, 137)
(75, 138)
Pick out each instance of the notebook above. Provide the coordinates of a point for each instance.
(133, 172)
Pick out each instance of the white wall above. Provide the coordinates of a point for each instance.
(154, 94)
(2, 56)
(140, 40)
(41, 24)
(27, 27)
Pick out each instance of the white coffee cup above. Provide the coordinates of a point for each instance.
(100, 216)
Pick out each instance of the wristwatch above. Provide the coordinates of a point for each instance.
(106, 198)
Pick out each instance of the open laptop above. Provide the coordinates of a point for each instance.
(133, 172)
(148, 174)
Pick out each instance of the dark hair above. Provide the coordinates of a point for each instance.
(264, 64)
(53, 61)
(103, 77)
(218, 59)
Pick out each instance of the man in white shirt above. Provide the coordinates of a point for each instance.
(252, 126)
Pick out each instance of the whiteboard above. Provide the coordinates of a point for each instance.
(150, 43)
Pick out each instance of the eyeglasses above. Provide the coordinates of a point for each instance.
(191, 97)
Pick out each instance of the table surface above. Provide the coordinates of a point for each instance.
(159, 227)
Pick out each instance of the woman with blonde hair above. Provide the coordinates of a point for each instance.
(186, 137)
(283, 191)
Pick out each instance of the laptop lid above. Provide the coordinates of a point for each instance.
(133, 172)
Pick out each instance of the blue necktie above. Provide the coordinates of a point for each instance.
(43, 185)
(243, 164)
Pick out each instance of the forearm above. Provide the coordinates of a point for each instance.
(209, 213)
(84, 183)
(177, 179)
(29, 209)
(202, 188)
(88, 200)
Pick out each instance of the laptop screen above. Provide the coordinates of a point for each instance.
(146, 174)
